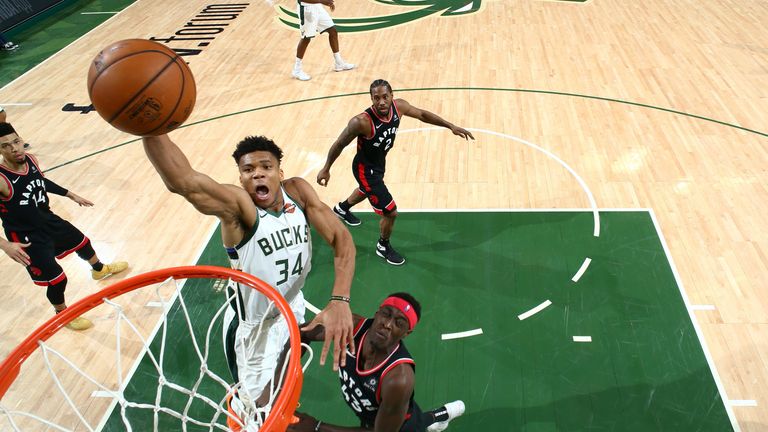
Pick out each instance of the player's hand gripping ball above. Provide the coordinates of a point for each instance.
(141, 87)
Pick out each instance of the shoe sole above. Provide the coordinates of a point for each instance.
(300, 79)
(388, 261)
(346, 221)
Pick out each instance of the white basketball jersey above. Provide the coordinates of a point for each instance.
(278, 250)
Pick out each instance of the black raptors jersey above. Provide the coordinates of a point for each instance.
(361, 388)
(26, 208)
(372, 149)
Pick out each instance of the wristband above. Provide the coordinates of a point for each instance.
(317, 426)
(339, 298)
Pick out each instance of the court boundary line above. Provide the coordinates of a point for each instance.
(696, 327)
(65, 47)
(151, 337)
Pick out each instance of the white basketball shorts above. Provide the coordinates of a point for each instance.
(313, 19)
(257, 347)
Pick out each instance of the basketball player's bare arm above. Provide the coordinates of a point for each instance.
(5, 189)
(228, 202)
(409, 110)
(359, 125)
(336, 317)
(396, 390)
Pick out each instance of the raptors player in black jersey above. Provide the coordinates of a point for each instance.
(37, 237)
(377, 382)
(375, 130)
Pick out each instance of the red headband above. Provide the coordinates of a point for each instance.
(404, 307)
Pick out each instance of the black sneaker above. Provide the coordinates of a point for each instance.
(346, 216)
(389, 253)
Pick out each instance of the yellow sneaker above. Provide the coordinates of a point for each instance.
(80, 323)
(109, 270)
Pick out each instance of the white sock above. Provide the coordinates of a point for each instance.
(337, 58)
(297, 65)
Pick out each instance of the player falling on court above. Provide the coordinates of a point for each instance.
(37, 237)
(375, 130)
(378, 381)
(265, 229)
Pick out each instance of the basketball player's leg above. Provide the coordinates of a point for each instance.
(68, 239)
(339, 64)
(325, 24)
(342, 209)
(308, 21)
(384, 205)
(46, 272)
(253, 351)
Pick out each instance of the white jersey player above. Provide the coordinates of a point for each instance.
(265, 228)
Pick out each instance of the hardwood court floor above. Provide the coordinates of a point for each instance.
(584, 81)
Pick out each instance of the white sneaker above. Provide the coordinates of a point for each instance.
(343, 66)
(454, 409)
(300, 75)
(10, 46)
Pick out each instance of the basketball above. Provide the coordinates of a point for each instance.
(141, 87)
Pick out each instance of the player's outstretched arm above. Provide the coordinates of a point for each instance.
(206, 194)
(336, 316)
(359, 125)
(429, 117)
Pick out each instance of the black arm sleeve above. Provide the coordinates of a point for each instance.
(53, 188)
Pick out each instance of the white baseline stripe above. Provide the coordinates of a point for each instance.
(582, 338)
(743, 403)
(535, 310)
(699, 334)
(463, 334)
(312, 307)
(582, 269)
(703, 307)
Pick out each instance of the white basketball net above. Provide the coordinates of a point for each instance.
(74, 382)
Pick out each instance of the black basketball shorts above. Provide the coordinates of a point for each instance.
(371, 182)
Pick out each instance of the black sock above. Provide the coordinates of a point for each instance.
(383, 242)
(98, 266)
(345, 205)
(440, 414)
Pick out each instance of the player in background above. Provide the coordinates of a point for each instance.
(375, 130)
(314, 19)
(37, 237)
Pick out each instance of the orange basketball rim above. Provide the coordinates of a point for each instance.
(281, 414)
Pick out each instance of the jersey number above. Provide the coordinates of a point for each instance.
(283, 265)
(387, 145)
